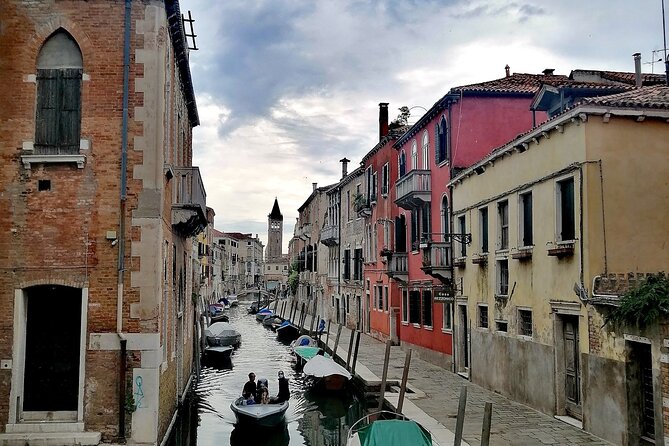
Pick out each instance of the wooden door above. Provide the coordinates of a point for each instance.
(572, 368)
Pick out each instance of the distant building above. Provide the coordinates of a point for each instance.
(276, 264)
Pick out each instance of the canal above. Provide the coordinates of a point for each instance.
(311, 419)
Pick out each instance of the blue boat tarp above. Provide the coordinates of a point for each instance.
(394, 433)
(285, 323)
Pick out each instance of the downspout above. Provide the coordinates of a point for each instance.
(451, 229)
(121, 235)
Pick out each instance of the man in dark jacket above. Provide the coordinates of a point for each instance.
(249, 391)
(284, 391)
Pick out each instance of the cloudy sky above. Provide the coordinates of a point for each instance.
(286, 88)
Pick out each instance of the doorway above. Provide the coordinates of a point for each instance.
(572, 368)
(463, 341)
(52, 350)
(640, 393)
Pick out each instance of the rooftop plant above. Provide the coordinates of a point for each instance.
(643, 305)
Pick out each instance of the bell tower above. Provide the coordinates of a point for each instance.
(274, 232)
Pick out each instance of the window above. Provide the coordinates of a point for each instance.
(503, 277)
(357, 264)
(414, 155)
(405, 306)
(463, 230)
(427, 308)
(414, 306)
(483, 316)
(414, 230)
(347, 264)
(502, 326)
(440, 145)
(385, 298)
(426, 151)
(503, 219)
(483, 229)
(448, 316)
(368, 179)
(526, 219)
(374, 187)
(58, 107)
(425, 220)
(565, 211)
(445, 216)
(525, 322)
(348, 298)
(402, 164)
(348, 205)
(384, 180)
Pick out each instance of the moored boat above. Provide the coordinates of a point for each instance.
(266, 415)
(303, 353)
(272, 321)
(287, 330)
(327, 373)
(262, 314)
(219, 352)
(220, 334)
(388, 429)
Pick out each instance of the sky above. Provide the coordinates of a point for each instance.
(287, 88)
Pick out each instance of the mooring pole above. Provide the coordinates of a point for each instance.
(405, 376)
(461, 416)
(355, 352)
(386, 359)
(350, 350)
(334, 351)
(487, 418)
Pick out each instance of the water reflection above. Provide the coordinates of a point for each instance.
(312, 419)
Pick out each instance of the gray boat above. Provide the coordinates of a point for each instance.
(220, 334)
(265, 415)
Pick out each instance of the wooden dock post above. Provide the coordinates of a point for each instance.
(487, 418)
(355, 351)
(334, 350)
(384, 378)
(461, 416)
(405, 376)
(313, 317)
(302, 318)
(327, 337)
(350, 351)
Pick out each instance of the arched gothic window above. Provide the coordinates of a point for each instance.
(442, 141)
(414, 155)
(426, 151)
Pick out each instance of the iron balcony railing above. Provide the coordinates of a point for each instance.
(189, 210)
(413, 189)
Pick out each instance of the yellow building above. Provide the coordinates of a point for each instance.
(554, 216)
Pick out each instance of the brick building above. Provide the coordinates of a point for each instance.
(100, 201)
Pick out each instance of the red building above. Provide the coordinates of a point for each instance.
(458, 130)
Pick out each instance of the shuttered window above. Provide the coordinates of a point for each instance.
(58, 117)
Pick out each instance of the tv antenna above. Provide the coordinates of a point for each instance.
(191, 43)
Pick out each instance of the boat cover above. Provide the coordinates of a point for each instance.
(394, 433)
(320, 367)
(304, 340)
(220, 329)
(306, 352)
(265, 310)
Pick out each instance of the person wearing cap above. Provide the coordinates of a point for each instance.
(284, 391)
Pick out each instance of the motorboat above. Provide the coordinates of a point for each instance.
(389, 429)
(266, 415)
(262, 314)
(220, 317)
(304, 353)
(219, 352)
(221, 334)
(326, 373)
(287, 330)
(304, 341)
(233, 300)
(272, 321)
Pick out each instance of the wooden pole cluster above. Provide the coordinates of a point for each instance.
(355, 352)
(334, 350)
(403, 385)
(384, 378)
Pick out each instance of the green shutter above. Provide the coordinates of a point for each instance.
(46, 116)
(70, 112)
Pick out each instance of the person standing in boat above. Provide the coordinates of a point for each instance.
(249, 391)
(284, 391)
(262, 392)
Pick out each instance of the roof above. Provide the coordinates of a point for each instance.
(313, 194)
(623, 77)
(276, 212)
(393, 134)
(656, 97)
(517, 83)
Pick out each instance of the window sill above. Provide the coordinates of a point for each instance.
(405, 323)
(428, 328)
(447, 331)
(524, 337)
(28, 160)
(416, 325)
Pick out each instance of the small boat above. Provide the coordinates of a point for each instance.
(233, 300)
(221, 334)
(220, 317)
(266, 415)
(388, 429)
(327, 373)
(287, 330)
(304, 341)
(216, 309)
(262, 314)
(219, 352)
(304, 353)
(272, 321)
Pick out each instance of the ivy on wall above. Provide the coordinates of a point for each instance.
(643, 305)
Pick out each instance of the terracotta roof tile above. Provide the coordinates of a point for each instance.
(656, 97)
(521, 83)
(629, 78)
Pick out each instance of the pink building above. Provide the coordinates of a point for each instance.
(458, 130)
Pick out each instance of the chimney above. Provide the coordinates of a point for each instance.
(507, 68)
(314, 185)
(548, 71)
(344, 166)
(637, 69)
(383, 120)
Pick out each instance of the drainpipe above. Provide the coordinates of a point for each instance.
(451, 229)
(121, 235)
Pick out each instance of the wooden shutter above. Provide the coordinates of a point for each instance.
(46, 119)
(70, 113)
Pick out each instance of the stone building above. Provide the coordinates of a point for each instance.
(101, 203)
(276, 264)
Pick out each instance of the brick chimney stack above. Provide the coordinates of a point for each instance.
(314, 185)
(344, 167)
(507, 69)
(383, 120)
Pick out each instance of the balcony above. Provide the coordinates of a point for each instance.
(308, 277)
(398, 266)
(303, 232)
(330, 235)
(189, 211)
(437, 260)
(413, 189)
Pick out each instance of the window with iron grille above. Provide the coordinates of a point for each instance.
(502, 326)
(503, 219)
(414, 306)
(525, 322)
(483, 316)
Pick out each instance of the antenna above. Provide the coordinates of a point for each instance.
(664, 36)
(192, 45)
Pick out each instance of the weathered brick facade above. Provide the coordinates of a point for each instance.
(63, 226)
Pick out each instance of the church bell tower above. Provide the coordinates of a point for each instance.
(274, 232)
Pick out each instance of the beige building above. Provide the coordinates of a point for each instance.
(555, 215)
